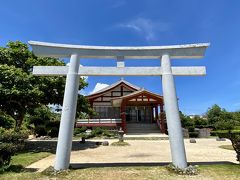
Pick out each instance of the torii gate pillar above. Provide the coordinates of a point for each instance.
(172, 114)
(65, 135)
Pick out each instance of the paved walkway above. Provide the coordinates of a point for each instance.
(146, 151)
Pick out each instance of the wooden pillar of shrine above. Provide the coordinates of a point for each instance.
(162, 119)
(152, 115)
(156, 112)
(123, 116)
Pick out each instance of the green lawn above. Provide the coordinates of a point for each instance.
(228, 147)
(222, 171)
(217, 172)
(21, 160)
(28, 158)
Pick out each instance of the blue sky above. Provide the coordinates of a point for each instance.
(137, 23)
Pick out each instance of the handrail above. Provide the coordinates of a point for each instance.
(99, 120)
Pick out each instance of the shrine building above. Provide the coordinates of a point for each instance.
(123, 104)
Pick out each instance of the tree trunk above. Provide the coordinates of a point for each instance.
(19, 120)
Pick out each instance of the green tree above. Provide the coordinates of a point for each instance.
(221, 119)
(42, 121)
(236, 116)
(225, 123)
(214, 114)
(84, 110)
(20, 91)
(186, 121)
(200, 122)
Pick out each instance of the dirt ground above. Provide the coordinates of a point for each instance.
(146, 151)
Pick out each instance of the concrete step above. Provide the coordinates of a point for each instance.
(142, 128)
(145, 136)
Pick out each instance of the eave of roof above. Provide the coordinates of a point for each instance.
(136, 93)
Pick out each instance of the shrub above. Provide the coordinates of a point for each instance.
(193, 134)
(191, 129)
(52, 128)
(53, 132)
(97, 131)
(40, 130)
(10, 142)
(6, 121)
(234, 137)
(107, 133)
(213, 133)
(6, 151)
(80, 130)
(237, 127)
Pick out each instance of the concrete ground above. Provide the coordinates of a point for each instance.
(146, 152)
(146, 135)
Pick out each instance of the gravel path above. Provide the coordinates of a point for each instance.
(146, 151)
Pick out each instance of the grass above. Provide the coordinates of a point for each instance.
(20, 161)
(228, 147)
(213, 171)
(120, 144)
(28, 158)
(222, 171)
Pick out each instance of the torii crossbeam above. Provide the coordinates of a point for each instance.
(74, 71)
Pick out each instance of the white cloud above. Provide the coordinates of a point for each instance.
(145, 27)
(98, 87)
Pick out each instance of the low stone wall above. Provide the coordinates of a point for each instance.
(204, 133)
(185, 133)
(51, 145)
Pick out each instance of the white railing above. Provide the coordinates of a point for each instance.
(87, 121)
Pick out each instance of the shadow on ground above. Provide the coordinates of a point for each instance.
(51, 145)
(129, 164)
(20, 168)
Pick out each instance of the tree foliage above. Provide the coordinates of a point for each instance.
(221, 119)
(225, 123)
(84, 110)
(20, 91)
(234, 137)
(214, 114)
(6, 121)
(42, 121)
(186, 121)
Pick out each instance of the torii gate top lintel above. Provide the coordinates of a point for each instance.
(135, 52)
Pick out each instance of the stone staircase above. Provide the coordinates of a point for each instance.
(138, 128)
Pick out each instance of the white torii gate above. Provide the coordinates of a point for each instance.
(74, 71)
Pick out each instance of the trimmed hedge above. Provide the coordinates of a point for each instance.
(97, 132)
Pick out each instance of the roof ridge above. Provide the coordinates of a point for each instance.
(115, 84)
